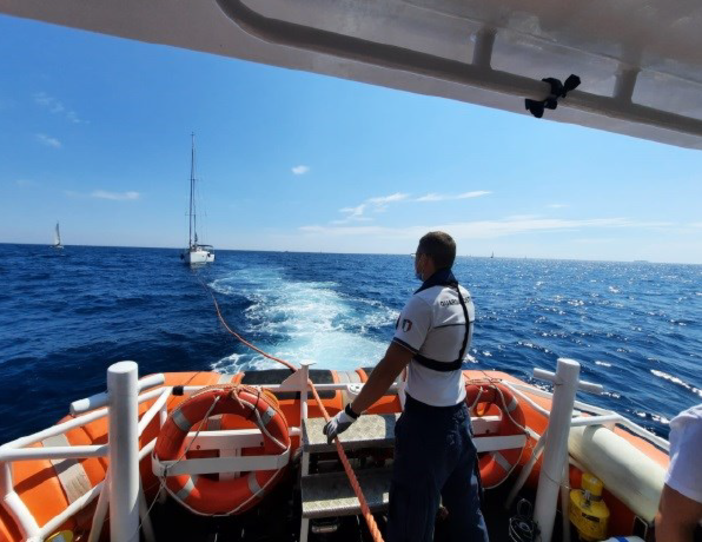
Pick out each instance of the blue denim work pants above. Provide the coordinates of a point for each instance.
(435, 461)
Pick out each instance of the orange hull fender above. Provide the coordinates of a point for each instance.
(204, 495)
(492, 396)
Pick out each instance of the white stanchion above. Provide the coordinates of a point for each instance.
(556, 448)
(526, 471)
(123, 389)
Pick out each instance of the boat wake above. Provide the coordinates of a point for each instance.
(302, 321)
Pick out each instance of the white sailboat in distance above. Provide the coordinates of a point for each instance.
(57, 238)
(196, 253)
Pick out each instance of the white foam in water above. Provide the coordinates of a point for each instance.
(316, 323)
(676, 380)
(225, 364)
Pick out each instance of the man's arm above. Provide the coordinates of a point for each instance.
(677, 517)
(410, 333)
(396, 358)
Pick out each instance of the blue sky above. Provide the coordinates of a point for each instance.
(96, 133)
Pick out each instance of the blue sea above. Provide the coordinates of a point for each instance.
(66, 316)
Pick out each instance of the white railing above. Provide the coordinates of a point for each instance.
(18, 450)
(122, 491)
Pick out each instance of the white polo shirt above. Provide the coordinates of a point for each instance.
(685, 469)
(433, 325)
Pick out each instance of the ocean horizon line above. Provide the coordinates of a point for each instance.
(272, 251)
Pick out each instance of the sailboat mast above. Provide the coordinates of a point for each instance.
(192, 226)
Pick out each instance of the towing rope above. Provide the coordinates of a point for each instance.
(365, 510)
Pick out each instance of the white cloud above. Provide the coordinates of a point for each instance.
(104, 194)
(380, 204)
(353, 214)
(384, 200)
(444, 197)
(596, 241)
(431, 197)
(377, 204)
(474, 194)
(118, 196)
(347, 220)
(347, 230)
(55, 106)
(49, 141)
(52, 104)
(486, 229)
(73, 117)
(300, 170)
(557, 205)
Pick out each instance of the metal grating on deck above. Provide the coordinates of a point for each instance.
(331, 495)
(368, 431)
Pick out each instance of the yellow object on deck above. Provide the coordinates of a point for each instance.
(63, 536)
(588, 512)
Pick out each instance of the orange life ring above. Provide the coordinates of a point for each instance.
(206, 496)
(496, 466)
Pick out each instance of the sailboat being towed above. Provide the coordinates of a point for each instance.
(196, 253)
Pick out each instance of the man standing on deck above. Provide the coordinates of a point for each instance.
(435, 458)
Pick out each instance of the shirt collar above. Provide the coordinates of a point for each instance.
(442, 277)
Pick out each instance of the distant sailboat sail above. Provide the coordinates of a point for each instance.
(57, 237)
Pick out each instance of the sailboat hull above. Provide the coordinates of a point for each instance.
(194, 257)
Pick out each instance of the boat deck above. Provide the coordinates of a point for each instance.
(324, 496)
(278, 519)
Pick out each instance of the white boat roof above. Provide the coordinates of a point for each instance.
(639, 60)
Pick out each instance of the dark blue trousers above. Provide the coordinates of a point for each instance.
(434, 461)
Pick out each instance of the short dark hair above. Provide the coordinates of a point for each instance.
(440, 247)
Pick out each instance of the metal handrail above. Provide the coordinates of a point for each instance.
(62, 428)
